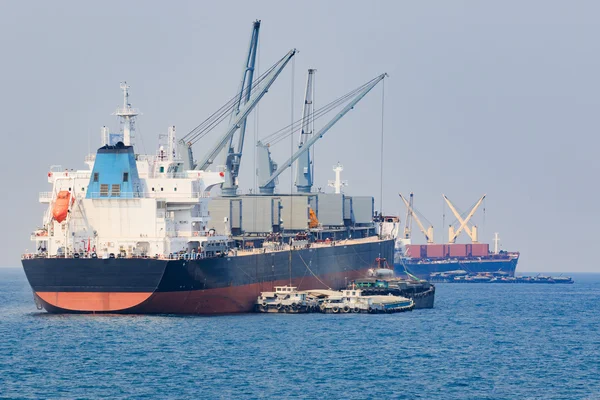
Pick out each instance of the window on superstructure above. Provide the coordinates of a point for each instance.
(125, 176)
(104, 190)
(116, 190)
(96, 176)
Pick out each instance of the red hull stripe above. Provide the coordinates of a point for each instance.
(93, 301)
(234, 299)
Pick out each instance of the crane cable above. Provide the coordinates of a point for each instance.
(282, 133)
(295, 126)
(218, 116)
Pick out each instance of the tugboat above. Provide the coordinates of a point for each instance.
(354, 300)
(286, 299)
(382, 281)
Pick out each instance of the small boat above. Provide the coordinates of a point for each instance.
(352, 300)
(562, 279)
(286, 299)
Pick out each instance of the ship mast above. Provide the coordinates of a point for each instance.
(496, 240)
(127, 115)
(338, 183)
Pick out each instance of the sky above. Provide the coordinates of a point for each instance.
(496, 98)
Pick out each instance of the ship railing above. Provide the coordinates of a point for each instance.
(187, 234)
(179, 175)
(38, 237)
(144, 157)
(70, 174)
(174, 256)
(150, 195)
(45, 196)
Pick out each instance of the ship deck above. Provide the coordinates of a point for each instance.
(276, 248)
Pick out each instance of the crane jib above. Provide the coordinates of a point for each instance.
(323, 130)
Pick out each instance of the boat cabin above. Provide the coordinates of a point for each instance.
(289, 292)
(352, 292)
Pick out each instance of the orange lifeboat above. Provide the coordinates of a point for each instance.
(64, 199)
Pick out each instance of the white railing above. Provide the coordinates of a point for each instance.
(144, 157)
(72, 174)
(45, 196)
(38, 237)
(149, 195)
(187, 234)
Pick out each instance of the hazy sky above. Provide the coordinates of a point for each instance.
(489, 98)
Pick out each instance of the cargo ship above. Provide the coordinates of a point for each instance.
(423, 260)
(150, 234)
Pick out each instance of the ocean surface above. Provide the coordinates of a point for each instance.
(481, 341)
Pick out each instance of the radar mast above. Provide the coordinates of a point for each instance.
(127, 115)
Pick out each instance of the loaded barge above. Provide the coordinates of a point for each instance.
(464, 277)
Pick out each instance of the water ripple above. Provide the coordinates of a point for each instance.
(480, 342)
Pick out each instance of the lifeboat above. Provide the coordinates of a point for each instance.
(64, 199)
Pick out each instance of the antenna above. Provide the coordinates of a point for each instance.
(127, 115)
(338, 183)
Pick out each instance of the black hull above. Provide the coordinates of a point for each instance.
(214, 285)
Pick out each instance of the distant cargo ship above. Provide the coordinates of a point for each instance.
(425, 259)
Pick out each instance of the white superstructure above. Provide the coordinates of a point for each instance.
(126, 204)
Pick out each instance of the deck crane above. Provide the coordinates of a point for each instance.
(258, 91)
(268, 171)
(428, 233)
(408, 219)
(304, 178)
(472, 232)
(234, 151)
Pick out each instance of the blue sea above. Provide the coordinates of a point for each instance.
(481, 341)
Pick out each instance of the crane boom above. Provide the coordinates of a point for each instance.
(463, 222)
(408, 219)
(304, 179)
(233, 157)
(428, 233)
(265, 185)
(245, 110)
(259, 92)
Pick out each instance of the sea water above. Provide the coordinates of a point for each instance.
(481, 341)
